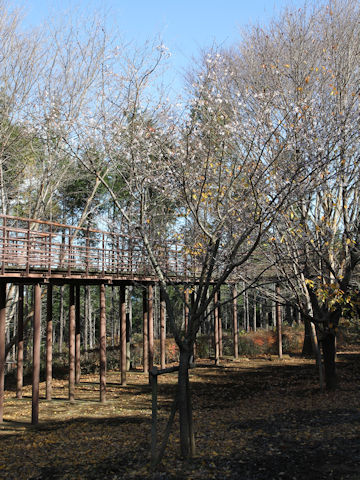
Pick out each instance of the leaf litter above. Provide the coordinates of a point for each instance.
(255, 419)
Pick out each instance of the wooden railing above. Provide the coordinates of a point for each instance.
(28, 245)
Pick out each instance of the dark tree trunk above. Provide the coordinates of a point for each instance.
(307, 349)
(329, 355)
(187, 442)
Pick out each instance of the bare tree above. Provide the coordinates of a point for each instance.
(212, 166)
(316, 240)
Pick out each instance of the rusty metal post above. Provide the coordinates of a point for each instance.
(123, 333)
(216, 328)
(162, 330)
(49, 345)
(102, 343)
(151, 325)
(20, 344)
(145, 332)
(2, 347)
(77, 336)
(235, 323)
(278, 320)
(36, 355)
(72, 343)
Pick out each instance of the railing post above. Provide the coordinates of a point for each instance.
(117, 255)
(28, 249)
(4, 247)
(69, 253)
(103, 255)
(50, 250)
(87, 252)
(130, 256)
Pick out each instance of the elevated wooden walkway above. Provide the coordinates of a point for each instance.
(35, 250)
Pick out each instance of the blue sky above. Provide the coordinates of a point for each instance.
(185, 26)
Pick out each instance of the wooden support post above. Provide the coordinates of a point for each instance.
(255, 312)
(77, 336)
(186, 309)
(278, 321)
(72, 343)
(192, 303)
(220, 327)
(151, 325)
(216, 328)
(2, 347)
(20, 345)
(36, 355)
(235, 324)
(49, 341)
(123, 333)
(154, 389)
(162, 330)
(145, 333)
(102, 344)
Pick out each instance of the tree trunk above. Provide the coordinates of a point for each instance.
(187, 439)
(307, 345)
(329, 354)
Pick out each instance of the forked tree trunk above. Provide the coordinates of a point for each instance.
(187, 439)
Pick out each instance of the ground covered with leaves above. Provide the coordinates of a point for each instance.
(255, 419)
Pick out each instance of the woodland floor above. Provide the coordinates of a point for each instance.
(255, 419)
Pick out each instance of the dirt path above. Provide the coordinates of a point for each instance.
(255, 420)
